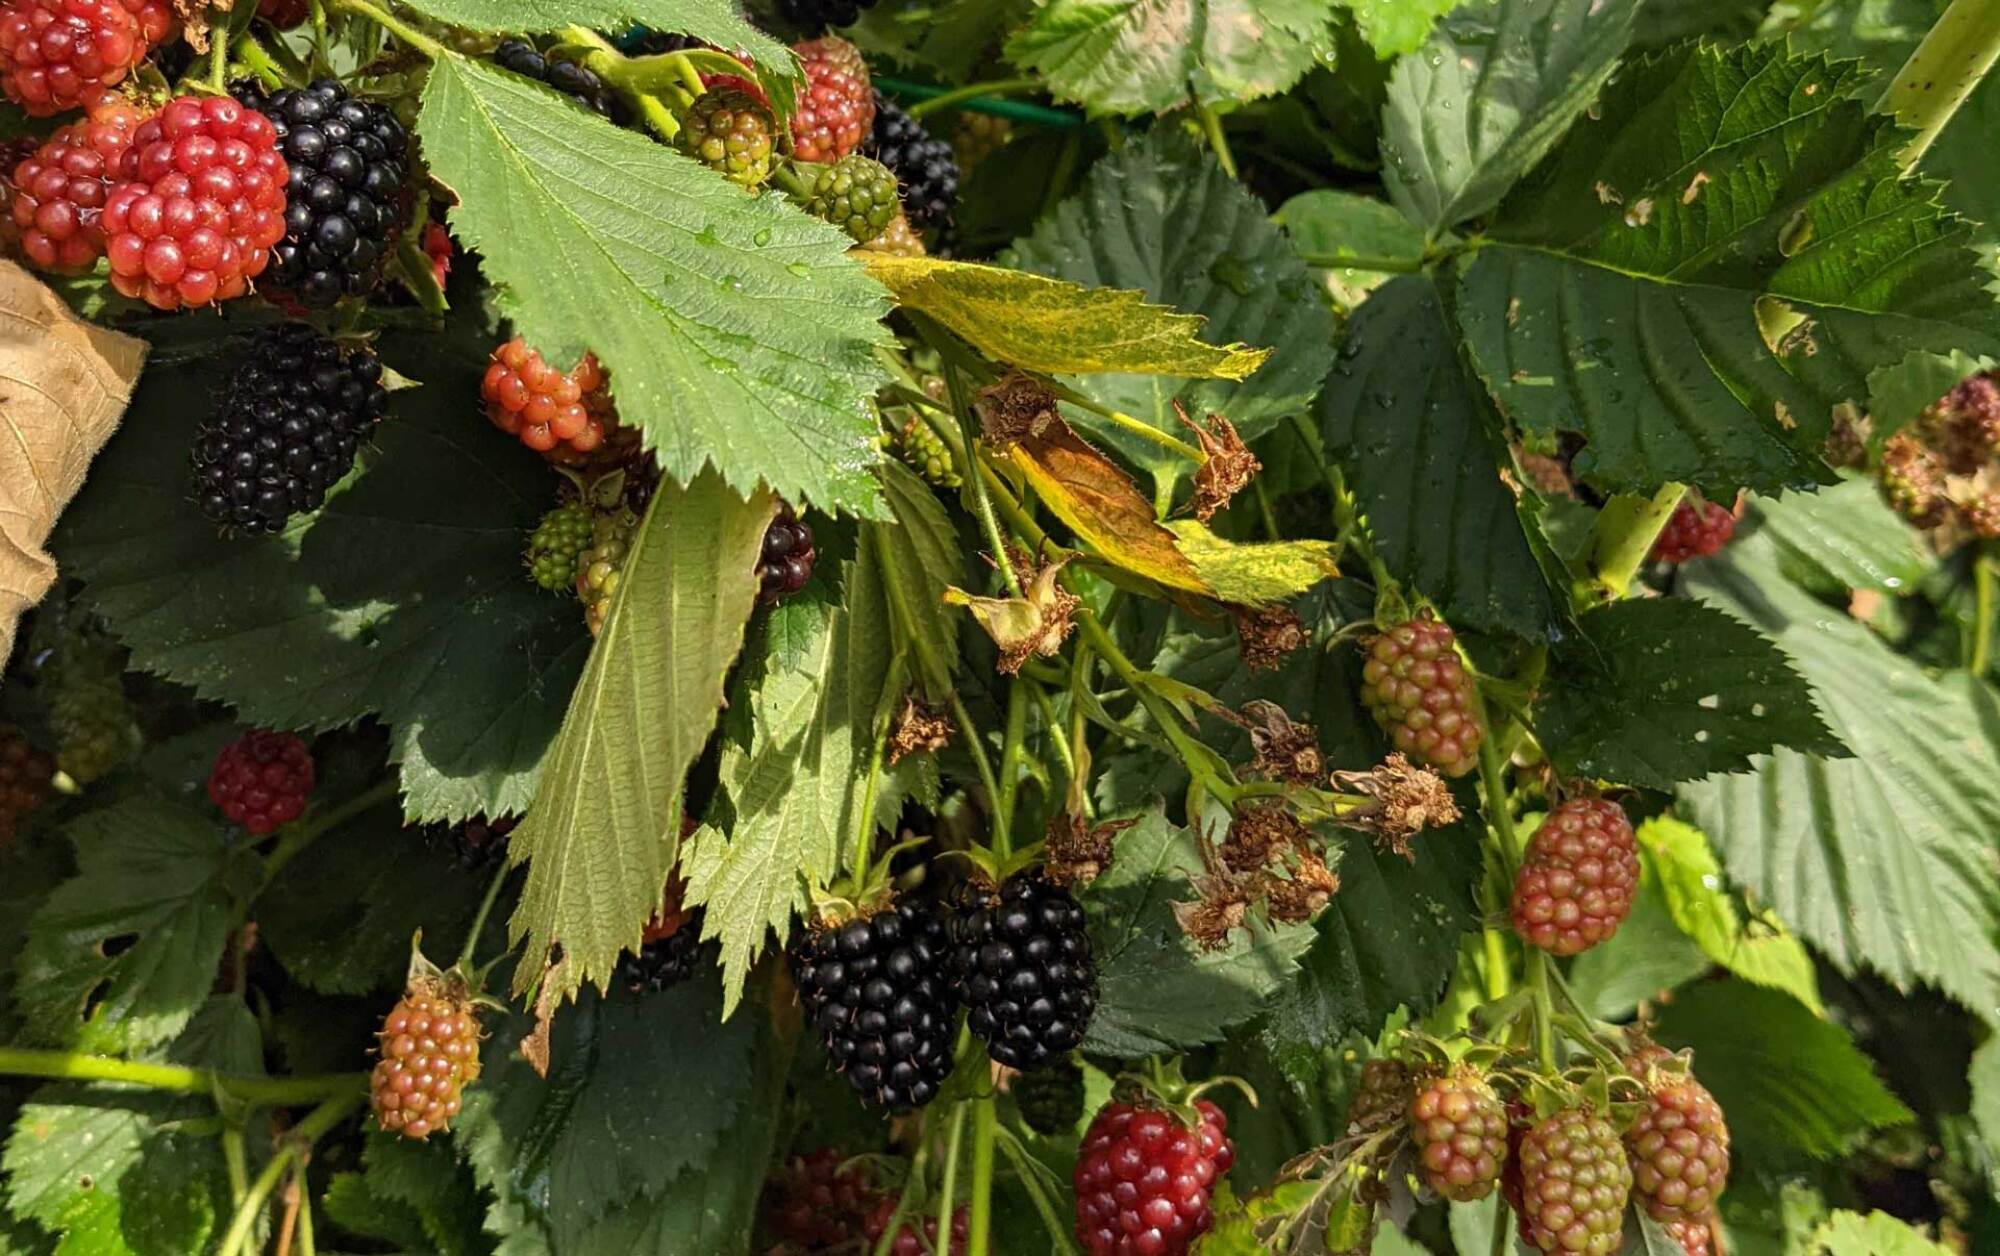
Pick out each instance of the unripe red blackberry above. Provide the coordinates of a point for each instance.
(819, 1201)
(558, 541)
(856, 194)
(562, 415)
(1577, 878)
(1418, 690)
(729, 131)
(430, 1054)
(837, 107)
(906, 1242)
(1697, 1238)
(25, 773)
(58, 191)
(1050, 1098)
(1574, 1184)
(1679, 1145)
(1698, 529)
(600, 566)
(1459, 1127)
(199, 204)
(1381, 1095)
(1143, 1179)
(787, 559)
(262, 780)
(59, 54)
(1022, 958)
(877, 994)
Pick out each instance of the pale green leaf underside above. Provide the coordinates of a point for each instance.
(1707, 266)
(1844, 536)
(1691, 882)
(736, 331)
(1882, 861)
(1485, 97)
(605, 826)
(1147, 56)
(1877, 1234)
(797, 789)
(1900, 391)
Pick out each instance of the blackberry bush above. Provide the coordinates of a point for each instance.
(878, 996)
(286, 428)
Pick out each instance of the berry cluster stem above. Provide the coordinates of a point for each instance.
(297, 1143)
(1983, 579)
(275, 1091)
(979, 1222)
(485, 910)
(954, 1140)
(1950, 62)
(982, 504)
(381, 17)
(1493, 788)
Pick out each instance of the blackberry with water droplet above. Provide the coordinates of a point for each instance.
(286, 428)
(878, 995)
(1022, 957)
(349, 160)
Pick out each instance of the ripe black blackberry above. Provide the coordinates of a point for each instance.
(286, 428)
(669, 958)
(925, 166)
(1051, 1099)
(812, 17)
(1023, 962)
(349, 160)
(787, 561)
(568, 77)
(878, 995)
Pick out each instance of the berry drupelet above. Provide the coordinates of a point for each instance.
(58, 191)
(348, 161)
(1022, 959)
(1574, 1184)
(430, 1053)
(878, 996)
(1050, 1098)
(1459, 1127)
(1419, 692)
(729, 131)
(562, 415)
(57, 55)
(578, 82)
(837, 107)
(856, 194)
(812, 17)
(1699, 528)
(286, 428)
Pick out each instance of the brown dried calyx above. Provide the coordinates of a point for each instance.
(1227, 466)
(920, 729)
(1076, 852)
(1404, 800)
(1022, 627)
(1268, 860)
(1286, 750)
(1014, 408)
(1267, 636)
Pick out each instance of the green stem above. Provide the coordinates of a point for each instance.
(1064, 172)
(479, 917)
(984, 506)
(1950, 62)
(1052, 720)
(976, 746)
(251, 55)
(297, 1142)
(1019, 111)
(312, 828)
(948, 1185)
(321, 43)
(1011, 748)
(970, 92)
(979, 1228)
(1211, 126)
(218, 50)
(1186, 748)
(1363, 261)
(414, 38)
(1982, 614)
(1625, 533)
(1499, 814)
(275, 1091)
(233, 1161)
(306, 1247)
(1059, 1234)
(1264, 511)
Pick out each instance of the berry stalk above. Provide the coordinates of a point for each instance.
(271, 1091)
(381, 17)
(296, 1142)
(1950, 62)
(1624, 535)
(985, 1126)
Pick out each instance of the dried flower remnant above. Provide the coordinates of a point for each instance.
(1014, 408)
(1076, 852)
(920, 729)
(1404, 800)
(1266, 637)
(1227, 466)
(1286, 750)
(1023, 627)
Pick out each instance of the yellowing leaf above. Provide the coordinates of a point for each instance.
(1256, 574)
(1099, 502)
(63, 386)
(1056, 327)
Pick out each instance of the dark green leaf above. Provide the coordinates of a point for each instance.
(1487, 95)
(1648, 956)
(175, 1199)
(1790, 1082)
(1400, 413)
(1347, 230)
(224, 1035)
(433, 1184)
(1394, 27)
(1664, 690)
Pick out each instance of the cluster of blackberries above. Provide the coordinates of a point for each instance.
(925, 167)
(349, 160)
(788, 558)
(568, 77)
(286, 428)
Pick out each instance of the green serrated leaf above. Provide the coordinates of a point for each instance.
(948, 37)
(1900, 391)
(1664, 690)
(72, 1142)
(736, 331)
(224, 1036)
(123, 954)
(796, 789)
(1401, 415)
(1147, 56)
(1844, 537)
(606, 825)
(1349, 231)
(1879, 861)
(352, 1206)
(1394, 27)
(1156, 992)
(1984, 1079)
(1487, 95)
(1790, 1082)
(1877, 1234)
(414, 565)
(175, 1198)
(1709, 265)
(1690, 880)
(1255, 573)
(920, 558)
(1161, 217)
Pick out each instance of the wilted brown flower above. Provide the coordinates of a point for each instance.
(1404, 800)
(1038, 623)
(1259, 834)
(920, 729)
(1015, 407)
(1266, 636)
(1222, 904)
(1305, 894)
(1286, 750)
(1227, 463)
(1076, 851)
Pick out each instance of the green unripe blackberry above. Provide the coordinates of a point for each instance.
(921, 450)
(557, 542)
(856, 194)
(599, 566)
(1051, 1099)
(727, 130)
(93, 725)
